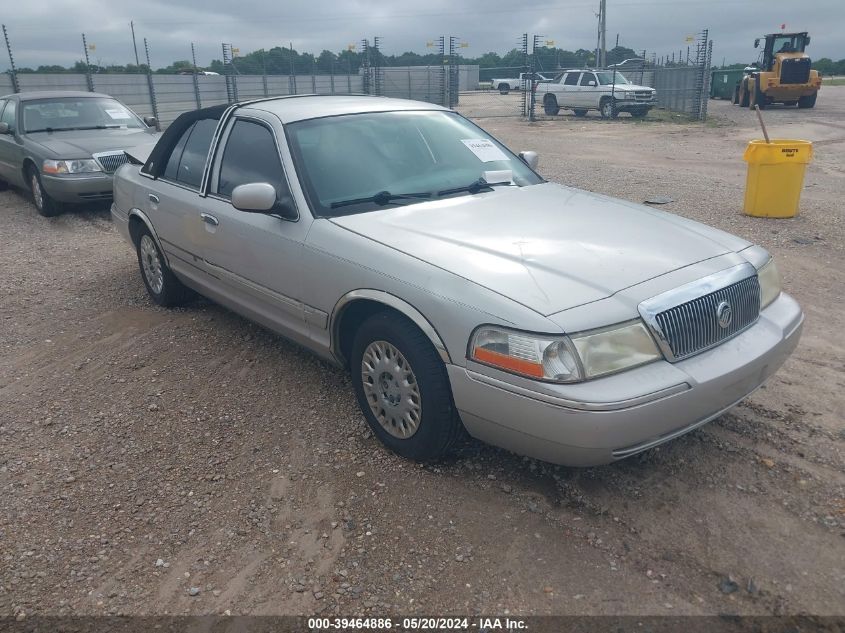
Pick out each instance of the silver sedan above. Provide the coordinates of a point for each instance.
(461, 290)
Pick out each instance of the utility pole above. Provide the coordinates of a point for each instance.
(603, 33)
(134, 44)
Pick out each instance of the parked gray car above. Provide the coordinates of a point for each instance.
(460, 289)
(65, 146)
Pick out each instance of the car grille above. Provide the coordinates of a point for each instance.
(110, 161)
(694, 326)
(795, 71)
(643, 95)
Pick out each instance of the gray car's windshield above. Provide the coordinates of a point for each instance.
(76, 113)
(361, 162)
(607, 78)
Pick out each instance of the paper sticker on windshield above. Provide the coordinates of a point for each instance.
(118, 114)
(484, 149)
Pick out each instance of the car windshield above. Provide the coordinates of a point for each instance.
(362, 162)
(607, 78)
(77, 113)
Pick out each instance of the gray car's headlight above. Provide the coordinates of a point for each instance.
(562, 358)
(769, 279)
(76, 166)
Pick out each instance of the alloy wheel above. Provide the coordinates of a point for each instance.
(151, 263)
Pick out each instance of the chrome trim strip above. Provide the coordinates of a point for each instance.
(389, 300)
(289, 302)
(650, 308)
(577, 405)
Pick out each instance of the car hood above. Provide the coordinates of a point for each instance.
(548, 247)
(631, 87)
(83, 143)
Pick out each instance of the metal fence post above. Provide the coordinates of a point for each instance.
(196, 79)
(331, 75)
(264, 73)
(313, 76)
(151, 85)
(88, 79)
(12, 71)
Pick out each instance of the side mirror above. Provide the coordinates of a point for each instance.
(4, 128)
(530, 158)
(150, 121)
(256, 197)
(757, 43)
(592, 83)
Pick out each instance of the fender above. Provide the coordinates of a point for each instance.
(137, 213)
(392, 301)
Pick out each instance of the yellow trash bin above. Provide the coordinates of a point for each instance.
(775, 177)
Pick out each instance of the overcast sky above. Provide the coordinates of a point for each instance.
(50, 32)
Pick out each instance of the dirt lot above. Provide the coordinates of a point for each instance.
(150, 454)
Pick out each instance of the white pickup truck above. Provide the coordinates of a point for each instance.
(603, 90)
(506, 85)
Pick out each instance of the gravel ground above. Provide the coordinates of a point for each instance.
(186, 461)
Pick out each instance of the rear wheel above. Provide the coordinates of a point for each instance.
(744, 97)
(402, 388)
(162, 285)
(807, 102)
(607, 108)
(44, 204)
(550, 106)
(503, 89)
(580, 112)
(735, 96)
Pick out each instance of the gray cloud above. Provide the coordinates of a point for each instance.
(50, 33)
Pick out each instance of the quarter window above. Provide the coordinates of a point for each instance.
(187, 160)
(571, 79)
(250, 156)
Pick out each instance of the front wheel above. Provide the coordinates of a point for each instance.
(402, 388)
(162, 285)
(504, 88)
(550, 106)
(807, 102)
(44, 204)
(608, 109)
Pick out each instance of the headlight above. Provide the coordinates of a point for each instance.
(562, 358)
(769, 279)
(78, 166)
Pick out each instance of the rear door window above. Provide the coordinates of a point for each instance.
(187, 160)
(571, 79)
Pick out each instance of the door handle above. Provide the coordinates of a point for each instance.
(153, 198)
(209, 219)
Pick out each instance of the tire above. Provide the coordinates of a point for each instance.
(744, 97)
(790, 103)
(403, 389)
(580, 112)
(607, 108)
(550, 106)
(44, 204)
(504, 89)
(639, 113)
(3, 185)
(735, 96)
(807, 102)
(759, 96)
(161, 284)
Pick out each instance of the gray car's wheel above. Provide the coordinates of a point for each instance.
(162, 285)
(44, 204)
(607, 108)
(402, 388)
(550, 106)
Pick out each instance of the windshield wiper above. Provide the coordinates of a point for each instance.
(381, 198)
(473, 187)
(67, 129)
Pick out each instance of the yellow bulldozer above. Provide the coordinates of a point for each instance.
(782, 74)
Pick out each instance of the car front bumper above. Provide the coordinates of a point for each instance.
(78, 188)
(661, 400)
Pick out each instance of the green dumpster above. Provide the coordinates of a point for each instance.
(723, 83)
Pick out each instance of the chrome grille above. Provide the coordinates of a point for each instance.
(643, 95)
(694, 326)
(110, 161)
